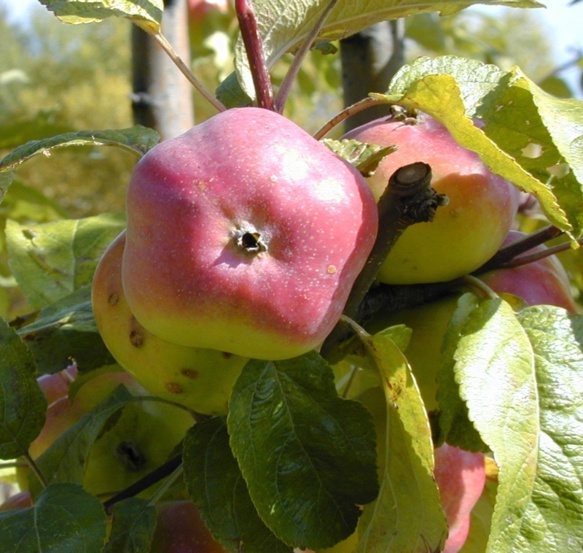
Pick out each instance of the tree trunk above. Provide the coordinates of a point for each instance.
(162, 97)
(369, 61)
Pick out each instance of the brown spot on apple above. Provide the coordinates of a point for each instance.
(113, 298)
(136, 338)
(331, 270)
(174, 388)
(189, 373)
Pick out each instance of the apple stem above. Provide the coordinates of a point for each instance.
(144, 483)
(299, 57)
(359, 106)
(255, 53)
(185, 70)
(408, 199)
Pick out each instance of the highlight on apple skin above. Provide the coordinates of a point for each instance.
(200, 379)
(245, 235)
(465, 233)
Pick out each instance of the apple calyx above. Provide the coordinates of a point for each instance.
(249, 240)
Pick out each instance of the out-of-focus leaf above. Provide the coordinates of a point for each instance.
(307, 456)
(137, 140)
(407, 513)
(146, 13)
(283, 25)
(22, 403)
(64, 518)
(215, 484)
(52, 260)
(66, 330)
(134, 521)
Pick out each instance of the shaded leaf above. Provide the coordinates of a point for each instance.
(134, 521)
(216, 485)
(64, 518)
(66, 458)
(22, 403)
(52, 260)
(64, 331)
(308, 457)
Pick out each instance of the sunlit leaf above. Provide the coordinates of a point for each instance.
(22, 403)
(64, 518)
(215, 483)
(283, 26)
(307, 456)
(52, 260)
(146, 13)
(407, 513)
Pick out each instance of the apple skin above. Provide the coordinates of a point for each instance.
(245, 235)
(465, 233)
(198, 9)
(20, 500)
(181, 529)
(460, 477)
(200, 379)
(140, 440)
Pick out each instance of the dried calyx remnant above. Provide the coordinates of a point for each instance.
(249, 240)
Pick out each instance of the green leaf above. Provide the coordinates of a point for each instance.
(528, 137)
(216, 485)
(553, 517)
(495, 369)
(64, 518)
(365, 157)
(134, 521)
(146, 13)
(283, 25)
(64, 331)
(66, 458)
(407, 513)
(308, 457)
(52, 260)
(137, 140)
(22, 403)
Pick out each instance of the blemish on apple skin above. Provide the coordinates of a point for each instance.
(174, 388)
(136, 338)
(226, 354)
(113, 299)
(331, 270)
(189, 373)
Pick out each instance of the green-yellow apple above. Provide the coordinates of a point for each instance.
(460, 477)
(465, 233)
(200, 379)
(540, 282)
(181, 529)
(141, 439)
(245, 234)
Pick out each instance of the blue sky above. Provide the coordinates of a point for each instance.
(562, 21)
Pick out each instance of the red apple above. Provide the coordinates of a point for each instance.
(20, 500)
(544, 281)
(466, 232)
(181, 529)
(198, 9)
(460, 477)
(200, 379)
(245, 235)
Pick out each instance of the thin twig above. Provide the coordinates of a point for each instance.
(363, 104)
(292, 72)
(185, 70)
